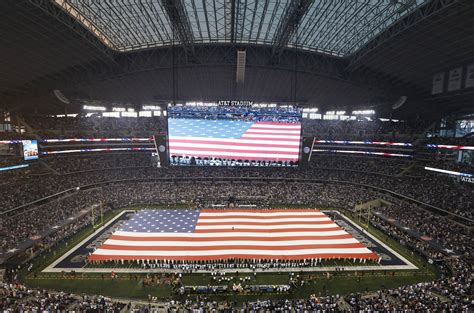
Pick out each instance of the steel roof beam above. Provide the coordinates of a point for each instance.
(76, 26)
(288, 26)
(180, 22)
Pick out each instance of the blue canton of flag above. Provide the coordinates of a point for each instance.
(207, 128)
(162, 221)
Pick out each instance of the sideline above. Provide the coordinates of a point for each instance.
(50, 268)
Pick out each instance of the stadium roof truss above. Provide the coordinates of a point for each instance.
(334, 27)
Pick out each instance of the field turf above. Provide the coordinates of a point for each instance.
(131, 286)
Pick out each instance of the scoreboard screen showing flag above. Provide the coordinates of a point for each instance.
(209, 234)
(234, 137)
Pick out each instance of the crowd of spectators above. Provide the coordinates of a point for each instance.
(461, 141)
(255, 114)
(16, 228)
(95, 126)
(68, 164)
(31, 223)
(363, 130)
(16, 297)
(445, 294)
(451, 235)
(452, 291)
(438, 190)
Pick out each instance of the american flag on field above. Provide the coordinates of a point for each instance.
(199, 235)
(229, 139)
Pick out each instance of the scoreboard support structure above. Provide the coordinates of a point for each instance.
(161, 146)
(307, 145)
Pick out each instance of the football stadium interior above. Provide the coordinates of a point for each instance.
(236, 155)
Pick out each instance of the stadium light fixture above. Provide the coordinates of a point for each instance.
(363, 112)
(110, 114)
(129, 114)
(145, 113)
(151, 108)
(94, 108)
(13, 167)
(439, 170)
(116, 109)
(330, 117)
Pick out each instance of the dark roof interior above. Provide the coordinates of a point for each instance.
(44, 48)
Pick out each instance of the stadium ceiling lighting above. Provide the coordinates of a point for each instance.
(94, 108)
(363, 112)
(118, 109)
(340, 112)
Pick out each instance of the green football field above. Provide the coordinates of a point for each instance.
(133, 286)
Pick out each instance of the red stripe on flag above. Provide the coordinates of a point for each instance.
(259, 217)
(263, 211)
(276, 158)
(280, 230)
(231, 247)
(204, 239)
(369, 256)
(265, 224)
(176, 142)
(220, 150)
(277, 124)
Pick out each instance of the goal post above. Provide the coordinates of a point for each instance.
(97, 215)
(363, 215)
